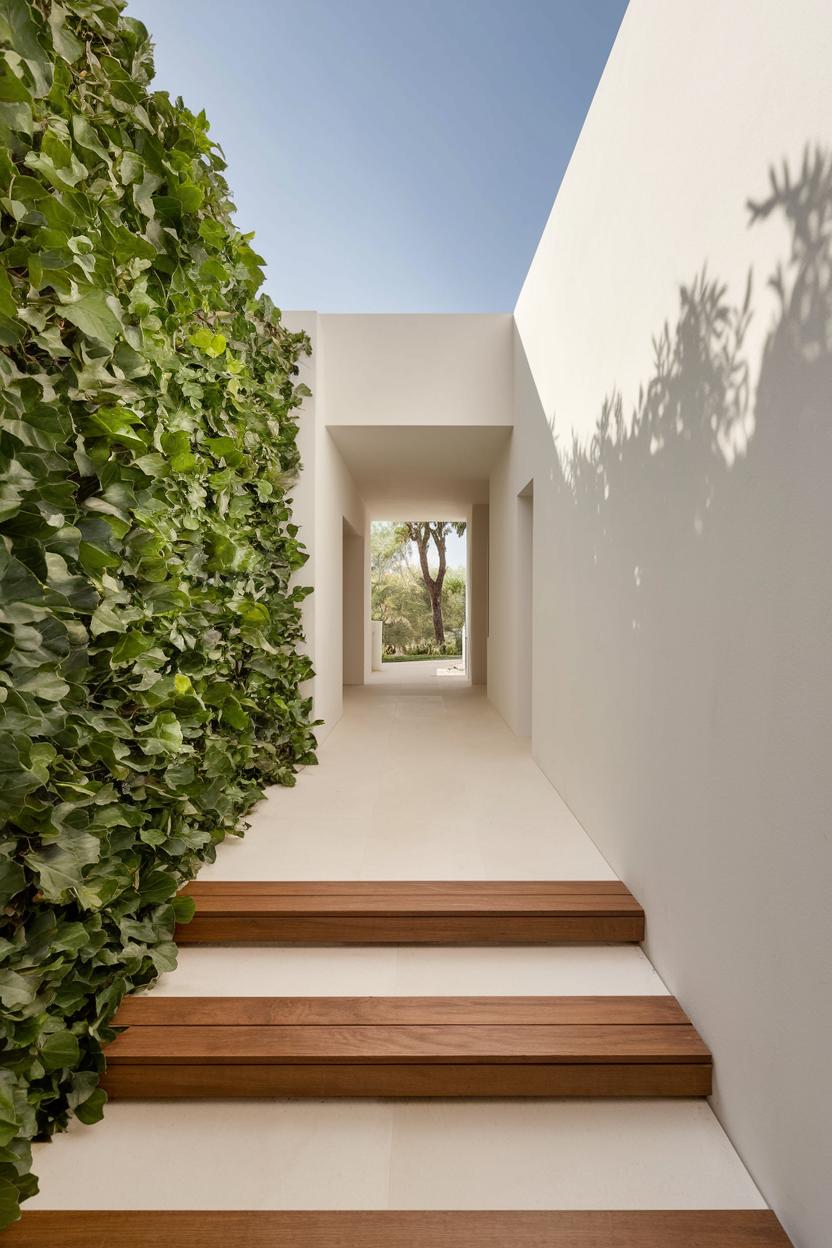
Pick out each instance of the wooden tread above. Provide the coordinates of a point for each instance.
(400, 1046)
(665, 1228)
(412, 912)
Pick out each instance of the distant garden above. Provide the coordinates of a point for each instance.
(417, 596)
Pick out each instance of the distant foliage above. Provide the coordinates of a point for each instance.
(401, 598)
(149, 666)
(400, 602)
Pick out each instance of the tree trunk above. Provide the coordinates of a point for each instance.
(421, 535)
(439, 581)
(438, 622)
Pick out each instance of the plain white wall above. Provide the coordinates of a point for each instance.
(336, 500)
(325, 497)
(683, 597)
(511, 667)
(524, 607)
(417, 369)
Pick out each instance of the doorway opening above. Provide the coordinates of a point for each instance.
(525, 607)
(418, 575)
(352, 569)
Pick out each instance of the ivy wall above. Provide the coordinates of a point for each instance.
(149, 665)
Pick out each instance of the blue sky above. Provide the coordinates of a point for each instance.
(391, 155)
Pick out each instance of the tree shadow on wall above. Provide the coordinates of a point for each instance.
(689, 641)
(696, 548)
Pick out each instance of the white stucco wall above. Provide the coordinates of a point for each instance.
(417, 370)
(683, 597)
(354, 567)
(325, 496)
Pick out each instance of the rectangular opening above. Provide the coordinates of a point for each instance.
(525, 607)
(477, 604)
(353, 600)
(418, 575)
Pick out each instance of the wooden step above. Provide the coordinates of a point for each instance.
(655, 1228)
(500, 912)
(405, 1046)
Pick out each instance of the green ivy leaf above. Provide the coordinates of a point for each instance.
(96, 315)
(9, 1203)
(163, 735)
(59, 867)
(60, 1050)
(92, 1109)
(44, 685)
(16, 990)
(18, 30)
(12, 879)
(63, 40)
(184, 909)
(8, 306)
(10, 1122)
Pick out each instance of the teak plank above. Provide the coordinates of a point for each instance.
(453, 1043)
(377, 930)
(140, 1081)
(354, 905)
(150, 1010)
(676, 1228)
(412, 912)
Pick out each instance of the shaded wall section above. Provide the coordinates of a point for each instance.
(354, 611)
(676, 420)
(326, 501)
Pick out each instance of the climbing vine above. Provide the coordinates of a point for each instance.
(149, 664)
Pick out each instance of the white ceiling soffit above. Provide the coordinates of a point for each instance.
(403, 464)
